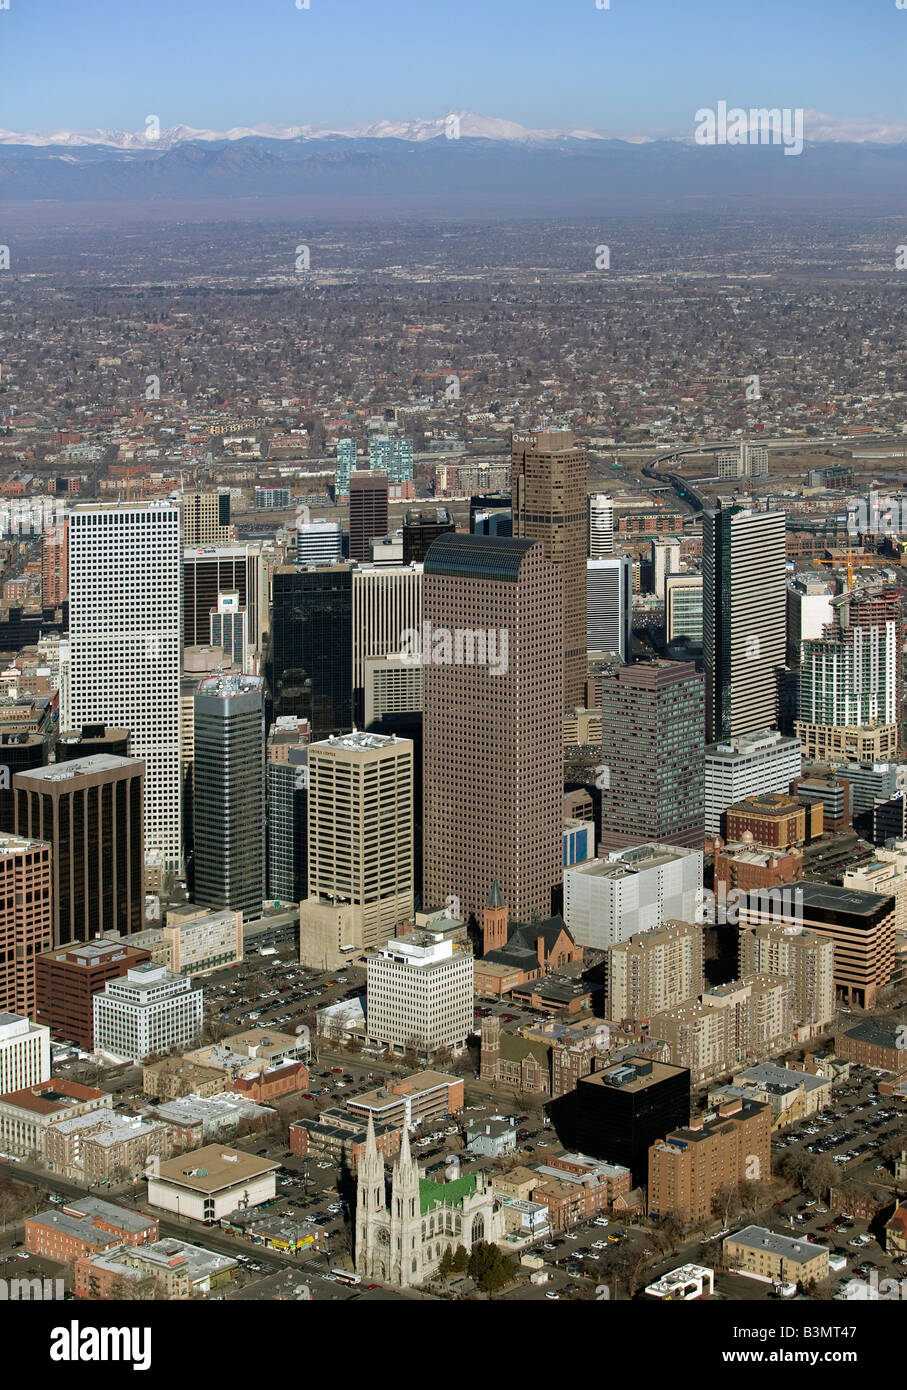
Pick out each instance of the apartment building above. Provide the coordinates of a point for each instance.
(775, 1259)
(25, 1115)
(804, 957)
(721, 1149)
(861, 926)
(654, 971)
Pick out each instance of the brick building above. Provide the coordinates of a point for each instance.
(870, 1045)
(774, 820)
(66, 981)
(718, 1150)
(26, 1115)
(86, 1227)
(340, 1137)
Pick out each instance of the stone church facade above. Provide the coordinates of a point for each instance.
(403, 1243)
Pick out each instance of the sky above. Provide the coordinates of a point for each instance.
(635, 68)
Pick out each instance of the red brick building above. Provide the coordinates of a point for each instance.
(86, 1227)
(272, 1083)
(66, 981)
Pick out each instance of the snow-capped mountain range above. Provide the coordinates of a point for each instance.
(466, 124)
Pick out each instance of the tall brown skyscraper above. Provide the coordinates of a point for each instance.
(368, 511)
(653, 745)
(91, 812)
(548, 479)
(490, 645)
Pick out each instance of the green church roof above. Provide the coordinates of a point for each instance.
(448, 1194)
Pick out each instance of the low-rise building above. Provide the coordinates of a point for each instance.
(176, 1270)
(26, 1115)
(871, 1045)
(683, 1284)
(575, 1187)
(194, 1120)
(86, 1227)
(792, 1095)
(340, 1137)
(103, 1146)
(173, 1077)
(211, 1182)
(775, 1259)
(420, 1098)
(492, 1137)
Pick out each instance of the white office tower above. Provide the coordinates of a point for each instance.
(809, 611)
(664, 560)
(600, 527)
(420, 994)
(744, 619)
(147, 1010)
(387, 605)
(125, 634)
(319, 542)
(609, 605)
(764, 761)
(24, 1053)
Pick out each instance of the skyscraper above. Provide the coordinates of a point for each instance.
(368, 511)
(311, 646)
(228, 799)
(288, 791)
(91, 813)
(387, 603)
(391, 456)
(548, 475)
(743, 619)
(683, 607)
(346, 462)
(654, 749)
(492, 763)
(318, 542)
(206, 518)
(609, 605)
(360, 832)
(420, 528)
(125, 627)
(26, 919)
(600, 534)
(212, 570)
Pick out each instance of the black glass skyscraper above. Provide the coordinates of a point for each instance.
(311, 662)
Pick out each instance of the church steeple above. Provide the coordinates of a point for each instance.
(405, 1183)
(495, 919)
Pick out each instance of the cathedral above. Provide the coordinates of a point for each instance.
(403, 1244)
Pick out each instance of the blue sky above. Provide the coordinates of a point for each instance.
(641, 67)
